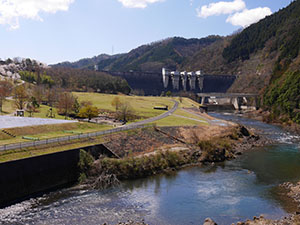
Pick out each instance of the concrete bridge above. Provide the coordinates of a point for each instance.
(237, 100)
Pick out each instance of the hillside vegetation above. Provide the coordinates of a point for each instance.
(282, 98)
(170, 53)
(272, 45)
(86, 63)
(279, 32)
(87, 80)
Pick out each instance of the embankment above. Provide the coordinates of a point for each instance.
(22, 178)
(191, 146)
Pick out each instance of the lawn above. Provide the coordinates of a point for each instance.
(41, 112)
(180, 112)
(187, 103)
(142, 106)
(8, 107)
(176, 121)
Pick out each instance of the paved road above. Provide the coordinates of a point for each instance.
(135, 125)
(153, 119)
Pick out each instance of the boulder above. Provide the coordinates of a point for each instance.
(209, 221)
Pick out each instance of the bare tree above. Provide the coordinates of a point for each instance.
(20, 96)
(5, 91)
(51, 96)
(125, 112)
(39, 93)
(65, 103)
(116, 102)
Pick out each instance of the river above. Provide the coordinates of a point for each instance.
(227, 192)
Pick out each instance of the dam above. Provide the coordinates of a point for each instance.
(154, 83)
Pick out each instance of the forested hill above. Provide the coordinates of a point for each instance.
(170, 53)
(271, 47)
(279, 32)
(86, 63)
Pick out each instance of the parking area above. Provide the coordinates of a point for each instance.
(12, 121)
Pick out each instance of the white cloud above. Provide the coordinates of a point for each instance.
(138, 3)
(12, 10)
(247, 17)
(221, 8)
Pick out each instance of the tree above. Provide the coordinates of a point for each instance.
(125, 112)
(20, 96)
(116, 102)
(76, 106)
(38, 93)
(30, 109)
(88, 112)
(5, 91)
(85, 103)
(65, 103)
(169, 93)
(51, 96)
(31, 106)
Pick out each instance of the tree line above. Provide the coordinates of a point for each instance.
(87, 80)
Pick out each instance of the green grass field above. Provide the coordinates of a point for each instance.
(41, 112)
(142, 106)
(8, 107)
(176, 121)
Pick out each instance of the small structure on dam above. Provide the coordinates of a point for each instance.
(196, 82)
(188, 80)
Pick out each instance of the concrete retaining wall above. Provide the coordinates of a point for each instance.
(22, 178)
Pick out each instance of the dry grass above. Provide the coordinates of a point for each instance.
(204, 133)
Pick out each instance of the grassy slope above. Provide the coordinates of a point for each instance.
(48, 131)
(142, 106)
(10, 155)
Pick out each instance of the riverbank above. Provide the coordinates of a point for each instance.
(150, 151)
(293, 219)
(266, 116)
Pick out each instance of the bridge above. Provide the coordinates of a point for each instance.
(235, 99)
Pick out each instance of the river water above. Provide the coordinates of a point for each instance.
(227, 192)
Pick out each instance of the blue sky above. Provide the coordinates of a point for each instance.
(66, 30)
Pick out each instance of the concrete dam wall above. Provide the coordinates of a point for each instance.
(152, 83)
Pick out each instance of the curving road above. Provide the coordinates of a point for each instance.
(153, 119)
(139, 124)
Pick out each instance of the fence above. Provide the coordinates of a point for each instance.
(22, 145)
